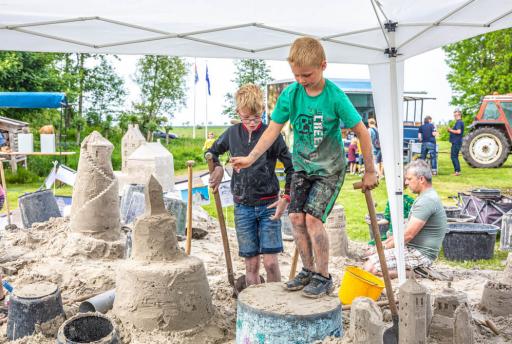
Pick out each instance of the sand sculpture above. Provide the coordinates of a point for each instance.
(335, 228)
(414, 312)
(442, 324)
(366, 325)
(160, 287)
(462, 331)
(95, 207)
(497, 295)
(132, 140)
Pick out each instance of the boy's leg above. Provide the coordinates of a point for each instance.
(248, 241)
(271, 242)
(271, 264)
(252, 270)
(320, 243)
(302, 240)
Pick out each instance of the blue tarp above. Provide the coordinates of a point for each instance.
(32, 100)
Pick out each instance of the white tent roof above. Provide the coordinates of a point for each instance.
(352, 31)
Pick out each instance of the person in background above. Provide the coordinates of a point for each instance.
(427, 134)
(456, 134)
(352, 155)
(209, 141)
(360, 160)
(377, 153)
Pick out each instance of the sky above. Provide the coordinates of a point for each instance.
(426, 72)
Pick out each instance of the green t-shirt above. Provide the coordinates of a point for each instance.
(316, 122)
(428, 207)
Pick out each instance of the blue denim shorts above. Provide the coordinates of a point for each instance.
(256, 232)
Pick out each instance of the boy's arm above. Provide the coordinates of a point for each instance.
(219, 147)
(286, 158)
(370, 180)
(266, 140)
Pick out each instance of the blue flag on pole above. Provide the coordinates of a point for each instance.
(208, 81)
(196, 76)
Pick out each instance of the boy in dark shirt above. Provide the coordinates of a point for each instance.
(427, 136)
(258, 205)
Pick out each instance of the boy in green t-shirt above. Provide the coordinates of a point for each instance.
(316, 108)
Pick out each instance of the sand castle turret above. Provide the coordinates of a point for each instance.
(95, 207)
(160, 287)
(414, 312)
(442, 324)
(132, 140)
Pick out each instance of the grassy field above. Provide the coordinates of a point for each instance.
(185, 148)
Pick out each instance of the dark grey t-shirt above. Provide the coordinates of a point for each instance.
(428, 207)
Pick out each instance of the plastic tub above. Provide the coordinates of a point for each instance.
(358, 282)
(452, 212)
(383, 228)
(462, 219)
(469, 241)
(88, 328)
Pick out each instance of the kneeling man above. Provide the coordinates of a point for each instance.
(425, 229)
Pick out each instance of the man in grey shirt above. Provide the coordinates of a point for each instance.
(425, 229)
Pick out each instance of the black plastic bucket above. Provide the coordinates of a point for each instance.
(491, 194)
(452, 212)
(469, 241)
(38, 206)
(383, 228)
(33, 304)
(88, 328)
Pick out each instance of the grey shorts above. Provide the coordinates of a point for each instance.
(314, 195)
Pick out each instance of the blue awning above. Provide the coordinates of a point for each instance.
(32, 100)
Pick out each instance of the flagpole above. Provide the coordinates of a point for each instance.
(206, 105)
(195, 82)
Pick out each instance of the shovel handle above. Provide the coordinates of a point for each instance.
(222, 223)
(380, 248)
(295, 258)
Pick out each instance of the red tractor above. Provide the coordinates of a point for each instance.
(490, 138)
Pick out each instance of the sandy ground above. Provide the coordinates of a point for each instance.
(45, 253)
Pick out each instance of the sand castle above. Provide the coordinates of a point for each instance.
(160, 287)
(95, 208)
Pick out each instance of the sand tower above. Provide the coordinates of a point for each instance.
(442, 324)
(497, 295)
(132, 140)
(414, 312)
(160, 287)
(95, 207)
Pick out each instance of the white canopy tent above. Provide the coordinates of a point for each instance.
(380, 33)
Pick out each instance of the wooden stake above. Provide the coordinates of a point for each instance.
(293, 268)
(4, 184)
(188, 246)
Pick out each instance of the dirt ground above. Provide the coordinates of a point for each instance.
(46, 253)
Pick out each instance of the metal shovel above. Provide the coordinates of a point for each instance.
(391, 334)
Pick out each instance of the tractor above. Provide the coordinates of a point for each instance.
(489, 141)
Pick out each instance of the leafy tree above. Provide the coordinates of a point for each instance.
(479, 66)
(247, 71)
(163, 86)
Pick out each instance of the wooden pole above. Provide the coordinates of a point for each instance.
(188, 246)
(293, 268)
(4, 184)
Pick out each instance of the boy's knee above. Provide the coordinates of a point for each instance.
(271, 265)
(313, 222)
(297, 219)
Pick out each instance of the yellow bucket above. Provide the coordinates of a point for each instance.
(358, 282)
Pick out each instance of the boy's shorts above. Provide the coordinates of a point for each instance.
(314, 195)
(413, 259)
(256, 232)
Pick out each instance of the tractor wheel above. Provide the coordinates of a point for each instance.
(485, 147)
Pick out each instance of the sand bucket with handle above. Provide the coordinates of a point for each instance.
(358, 282)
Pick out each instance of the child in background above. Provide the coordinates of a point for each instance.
(352, 155)
(209, 141)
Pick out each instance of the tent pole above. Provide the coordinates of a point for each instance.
(195, 84)
(398, 194)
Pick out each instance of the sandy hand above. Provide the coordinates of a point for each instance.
(280, 206)
(370, 181)
(239, 162)
(216, 178)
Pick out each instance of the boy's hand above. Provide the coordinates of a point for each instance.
(280, 206)
(216, 178)
(370, 180)
(239, 162)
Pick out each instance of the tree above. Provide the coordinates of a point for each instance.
(162, 83)
(479, 66)
(247, 71)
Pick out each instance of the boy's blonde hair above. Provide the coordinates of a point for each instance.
(249, 97)
(306, 52)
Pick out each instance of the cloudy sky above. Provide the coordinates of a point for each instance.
(426, 72)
